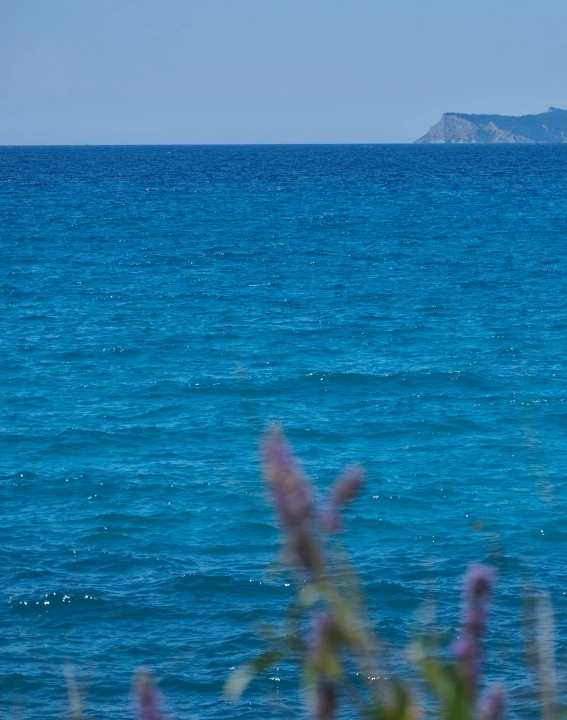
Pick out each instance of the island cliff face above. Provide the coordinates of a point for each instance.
(547, 127)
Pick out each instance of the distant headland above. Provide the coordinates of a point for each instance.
(547, 127)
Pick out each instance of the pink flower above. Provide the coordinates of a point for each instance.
(345, 488)
(478, 583)
(291, 494)
(477, 588)
(147, 698)
(293, 502)
(492, 705)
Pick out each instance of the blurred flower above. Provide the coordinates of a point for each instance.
(147, 698)
(475, 620)
(478, 583)
(293, 502)
(492, 705)
(467, 653)
(290, 492)
(477, 588)
(345, 488)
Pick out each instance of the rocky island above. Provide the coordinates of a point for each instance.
(547, 127)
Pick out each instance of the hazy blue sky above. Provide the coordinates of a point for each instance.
(233, 71)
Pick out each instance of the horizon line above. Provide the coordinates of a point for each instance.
(211, 144)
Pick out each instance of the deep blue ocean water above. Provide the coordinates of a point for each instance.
(400, 306)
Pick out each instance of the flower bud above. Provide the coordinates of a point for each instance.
(147, 697)
(492, 705)
(347, 486)
(478, 583)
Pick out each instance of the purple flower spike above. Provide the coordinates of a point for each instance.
(475, 620)
(347, 486)
(148, 698)
(278, 457)
(293, 503)
(478, 583)
(476, 594)
(467, 653)
(492, 705)
(290, 492)
(467, 650)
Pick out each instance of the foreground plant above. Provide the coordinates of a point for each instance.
(145, 694)
(148, 701)
(340, 658)
(325, 632)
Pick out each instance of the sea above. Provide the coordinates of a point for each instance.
(401, 307)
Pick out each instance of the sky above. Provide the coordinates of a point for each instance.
(270, 71)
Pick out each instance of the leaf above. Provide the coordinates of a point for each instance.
(237, 683)
(308, 596)
(438, 679)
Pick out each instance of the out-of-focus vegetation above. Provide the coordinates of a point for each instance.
(325, 631)
(341, 665)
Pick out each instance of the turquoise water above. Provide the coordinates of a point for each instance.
(403, 307)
